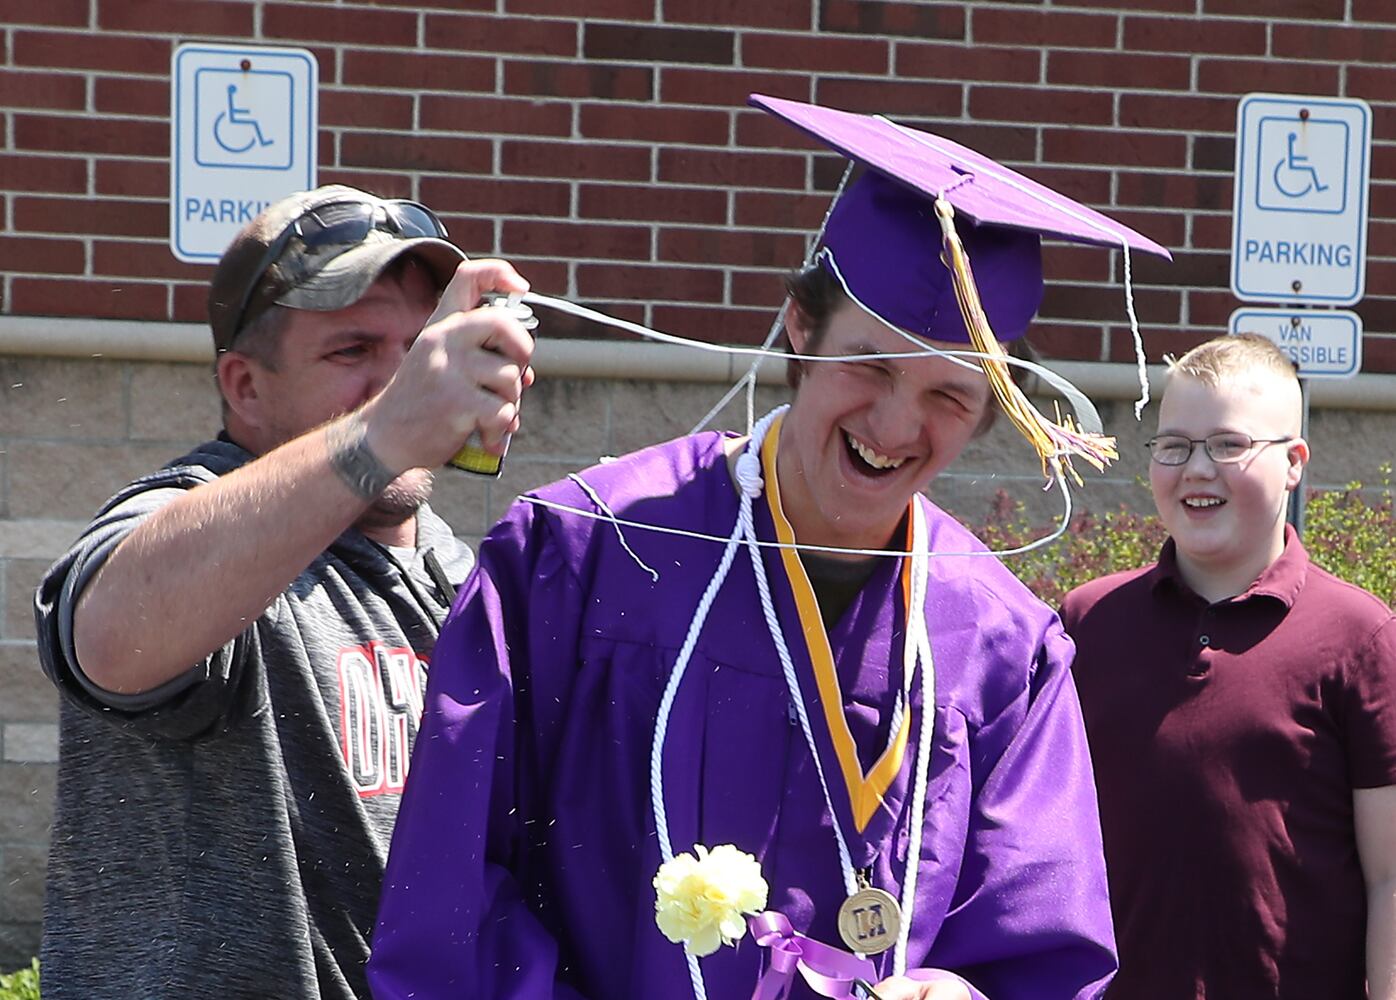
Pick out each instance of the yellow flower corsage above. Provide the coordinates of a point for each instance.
(702, 902)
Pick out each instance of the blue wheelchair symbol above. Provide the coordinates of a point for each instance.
(235, 115)
(1298, 171)
(244, 120)
(1300, 167)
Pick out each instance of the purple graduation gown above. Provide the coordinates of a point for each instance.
(525, 847)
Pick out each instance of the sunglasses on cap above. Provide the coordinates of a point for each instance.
(337, 225)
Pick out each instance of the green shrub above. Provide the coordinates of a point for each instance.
(1354, 538)
(21, 985)
(1093, 545)
(1345, 531)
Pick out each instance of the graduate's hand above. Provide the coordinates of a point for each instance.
(465, 373)
(902, 988)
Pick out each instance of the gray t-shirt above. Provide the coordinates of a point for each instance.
(226, 835)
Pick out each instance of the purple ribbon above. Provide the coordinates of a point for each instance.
(828, 971)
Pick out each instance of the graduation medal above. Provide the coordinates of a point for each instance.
(869, 920)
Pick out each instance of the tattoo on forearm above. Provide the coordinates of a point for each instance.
(362, 470)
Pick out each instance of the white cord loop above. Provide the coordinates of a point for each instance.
(749, 474)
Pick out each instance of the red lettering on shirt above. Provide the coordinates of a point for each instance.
(380, 699)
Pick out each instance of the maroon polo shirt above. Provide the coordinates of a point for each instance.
(1227, 739)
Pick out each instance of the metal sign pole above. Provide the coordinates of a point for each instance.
(1299, 234)
(1296, 498)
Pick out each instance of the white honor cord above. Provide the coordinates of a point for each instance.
(661, 725)
(749, 481)
(792, 682)
(916, 634)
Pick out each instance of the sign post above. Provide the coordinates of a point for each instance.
(1299, 233)
(1326, 344)
(243, 120)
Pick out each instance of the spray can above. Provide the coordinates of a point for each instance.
(473, 457)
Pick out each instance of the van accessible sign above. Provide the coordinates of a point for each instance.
(1299, 223)
(1322, 343)
(242, 135)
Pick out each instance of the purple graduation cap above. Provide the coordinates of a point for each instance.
(883, 239)
(893, 243)
(883, 243)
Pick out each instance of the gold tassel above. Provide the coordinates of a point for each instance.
(1055, 442)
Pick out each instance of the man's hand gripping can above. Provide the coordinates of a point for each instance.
(473, 457)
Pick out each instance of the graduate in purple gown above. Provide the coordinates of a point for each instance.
(606, 695)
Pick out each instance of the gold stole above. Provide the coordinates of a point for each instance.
(865, 791)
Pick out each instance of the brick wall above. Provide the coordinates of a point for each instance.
(573, 144)
(614, 160)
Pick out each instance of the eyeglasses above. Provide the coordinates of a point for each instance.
(330, 225)
(1223, 448)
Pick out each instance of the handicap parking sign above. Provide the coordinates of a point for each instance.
(1299, 226)
(242, 135)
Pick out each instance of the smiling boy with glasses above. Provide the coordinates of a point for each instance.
(242, 637)
(1240, 704)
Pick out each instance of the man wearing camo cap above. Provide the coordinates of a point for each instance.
(241, 637)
